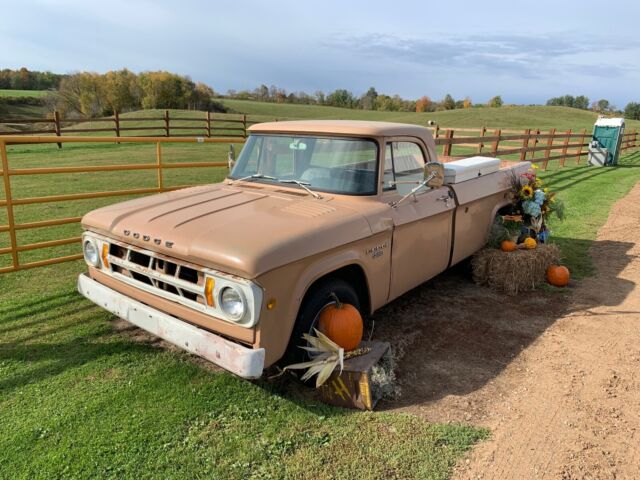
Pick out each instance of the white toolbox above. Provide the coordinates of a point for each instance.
(468, 168)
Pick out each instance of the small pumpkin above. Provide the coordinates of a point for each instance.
(558, 275)
(342, 323)
(529, 243)
(508, 246)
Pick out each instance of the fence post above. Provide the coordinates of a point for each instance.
(208, 124)
(56, 124)
(483, 131)
(9, 204)
(496, 143)
(535, 144)
(446, 148)
(525, 145)
(159, 166)
(244, 124)
(579, 152)
(436, 131)
(547, 152)
(116, 121)
(166, 123)
(564, 149)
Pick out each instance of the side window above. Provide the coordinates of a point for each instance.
(408, 166)
(388, 169)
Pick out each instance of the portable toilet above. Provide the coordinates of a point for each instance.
(604, 148)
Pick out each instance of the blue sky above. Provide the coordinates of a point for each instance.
(524, 51)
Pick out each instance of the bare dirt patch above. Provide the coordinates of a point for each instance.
(555, 376)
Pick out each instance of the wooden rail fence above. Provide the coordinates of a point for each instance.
(205, 124)
(528, 145)
(535, 146)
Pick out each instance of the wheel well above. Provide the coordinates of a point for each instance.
(352, 274)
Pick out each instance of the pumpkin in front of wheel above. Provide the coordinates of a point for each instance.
(342, 323)
(508, 246)
(558, 275)
(529, 243)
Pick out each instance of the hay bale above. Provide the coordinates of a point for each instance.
(513, 272)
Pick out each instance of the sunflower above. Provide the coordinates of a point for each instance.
(526, 192)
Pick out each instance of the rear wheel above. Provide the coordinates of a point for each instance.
(309, 313)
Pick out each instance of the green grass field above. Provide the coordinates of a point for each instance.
(80, 399)
(24, 93)
(561, 118)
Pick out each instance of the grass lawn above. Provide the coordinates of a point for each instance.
(24, 93)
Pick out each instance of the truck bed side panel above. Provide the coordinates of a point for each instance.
(479, 199)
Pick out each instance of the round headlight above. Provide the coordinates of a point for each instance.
(232, 303)
(91, 254)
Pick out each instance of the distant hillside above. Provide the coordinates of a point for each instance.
(24, 93)
(542, 117)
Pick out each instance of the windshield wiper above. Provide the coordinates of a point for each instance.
(305, 186)
(251, 177)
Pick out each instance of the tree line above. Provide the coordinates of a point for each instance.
(93, 94)
(24, 79)
(370, 100)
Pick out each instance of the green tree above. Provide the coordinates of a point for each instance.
(448, 103)
(341, 98)
(368, 100)
(81, 93)
(632, 111)
(496, 101)
(581, 102)
(601, 105)
(121, 91)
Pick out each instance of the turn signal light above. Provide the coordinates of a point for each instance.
(105, 253)
(208, 291)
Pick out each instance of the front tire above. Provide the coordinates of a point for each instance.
(315, 300)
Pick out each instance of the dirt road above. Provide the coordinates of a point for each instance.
(556, 378)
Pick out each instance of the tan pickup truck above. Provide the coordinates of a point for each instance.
(237, 271)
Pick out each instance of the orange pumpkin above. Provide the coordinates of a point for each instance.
(342, 323)
(508, 246)
(558, 276)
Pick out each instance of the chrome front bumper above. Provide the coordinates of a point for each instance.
(244, 362)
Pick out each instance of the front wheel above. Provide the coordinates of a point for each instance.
(308, 315)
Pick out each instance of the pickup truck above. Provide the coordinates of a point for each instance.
(237, 271)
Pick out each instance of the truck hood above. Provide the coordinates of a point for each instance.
(231, 229)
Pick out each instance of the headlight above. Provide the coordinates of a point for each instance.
(91, 253)
(232, 303)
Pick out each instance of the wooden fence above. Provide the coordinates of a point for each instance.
(205, 124)
(535, 146)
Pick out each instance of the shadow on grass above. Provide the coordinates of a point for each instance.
(452, 337)
(57, 357)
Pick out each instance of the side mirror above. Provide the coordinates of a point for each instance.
(231, 158)
(434, 174)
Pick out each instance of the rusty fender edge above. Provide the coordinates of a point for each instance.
(244, 362)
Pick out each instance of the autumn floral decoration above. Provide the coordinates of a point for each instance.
(533, 203)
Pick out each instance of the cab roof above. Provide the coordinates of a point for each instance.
(345, 127)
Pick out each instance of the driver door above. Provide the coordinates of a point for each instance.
(422, 232)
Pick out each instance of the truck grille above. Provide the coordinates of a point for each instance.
(167, 277)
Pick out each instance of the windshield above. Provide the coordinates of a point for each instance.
(337, 165)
